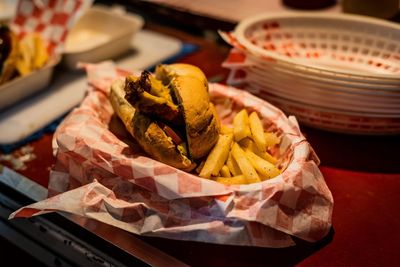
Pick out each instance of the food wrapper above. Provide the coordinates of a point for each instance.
(51, 19)
(99, 176)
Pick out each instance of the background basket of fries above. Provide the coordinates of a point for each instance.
(30, 47)
(99, 176)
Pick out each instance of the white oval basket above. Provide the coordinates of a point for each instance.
(339, 43)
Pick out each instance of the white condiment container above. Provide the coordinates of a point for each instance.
(21, 87)
(100, 34)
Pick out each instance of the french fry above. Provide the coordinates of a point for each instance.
(24, 61)
(265, 168)
(241, 128)
(238, 179)
(226, 129)
(271, 139)
(41, 55)
(269, 157)
(225, 171)
(248, 160)
(257, 131)
(232, 165)
(248, 144)
(33, 53)
(245, 166)
(217, 157)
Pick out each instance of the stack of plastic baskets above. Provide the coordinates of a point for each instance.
(337, 72)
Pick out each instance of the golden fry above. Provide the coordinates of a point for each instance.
(248, 144)
(257, 131)
(241, 128)
(238, 179)
(265, 168)
(271, 139)
(217, 157)
(225, 171)
(232, 165)
(226, 129)
(33, 53)
(269, 157)
(244, 164)
(248, 160)
(41, 54)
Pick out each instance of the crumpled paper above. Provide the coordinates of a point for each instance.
(99, 176)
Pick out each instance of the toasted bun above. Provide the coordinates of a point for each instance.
(201, 122)
(184, 87)
(147, 133)
(166, 73)
(190, 88)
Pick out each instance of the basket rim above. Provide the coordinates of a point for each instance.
(243, 25)
(364, 115)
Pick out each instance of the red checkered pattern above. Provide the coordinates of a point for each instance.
(131, 191)
(52, 19)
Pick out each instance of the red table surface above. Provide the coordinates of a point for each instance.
(365, 221)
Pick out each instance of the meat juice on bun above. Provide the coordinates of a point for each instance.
(169, 113)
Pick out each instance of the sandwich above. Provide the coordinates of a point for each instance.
(169, 113)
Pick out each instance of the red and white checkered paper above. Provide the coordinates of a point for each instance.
(100, 177)
(52, 19)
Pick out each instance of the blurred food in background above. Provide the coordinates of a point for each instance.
(20, 56)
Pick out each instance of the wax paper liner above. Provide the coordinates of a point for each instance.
(99, 176)
(52, 19)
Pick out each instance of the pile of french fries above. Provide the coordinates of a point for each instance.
(241, 154)
(32, 55)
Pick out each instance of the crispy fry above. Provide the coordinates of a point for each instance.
(41, 55)
(238, 179)
(217, 156)
(232, 165)
(33, 53)
(225, 171)
(241, 128)
(248, 160)
(269, 157)
(265, 168)
(248, 144)
(257, 131)
(226, 129)
(271, 139)
(244, 164)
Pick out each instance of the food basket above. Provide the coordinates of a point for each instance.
(342, 43)
(321, 67)
(51, 21)
(98, 175)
